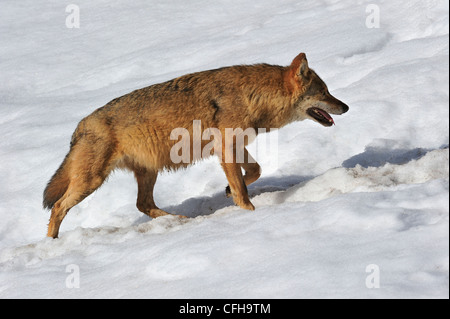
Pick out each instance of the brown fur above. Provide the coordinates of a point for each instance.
(133, 131)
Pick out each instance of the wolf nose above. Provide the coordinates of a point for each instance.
(344, 107)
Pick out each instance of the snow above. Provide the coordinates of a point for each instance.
(332, 203)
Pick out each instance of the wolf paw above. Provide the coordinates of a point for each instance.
(228, 191)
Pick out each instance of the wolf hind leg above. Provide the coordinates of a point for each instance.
(88, 165)
(146, 180)
(75, 193)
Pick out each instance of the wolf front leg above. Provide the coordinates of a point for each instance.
(251, 168)
(237, 185)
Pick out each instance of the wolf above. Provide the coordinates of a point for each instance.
(133, 131)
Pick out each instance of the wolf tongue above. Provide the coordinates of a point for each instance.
(326, 115)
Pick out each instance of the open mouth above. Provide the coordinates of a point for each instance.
(320, 116)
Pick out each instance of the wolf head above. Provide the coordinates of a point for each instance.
(311, 97)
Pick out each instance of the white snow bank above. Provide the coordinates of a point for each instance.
(388, 216)
(372, 179)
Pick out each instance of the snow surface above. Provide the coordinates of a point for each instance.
(372, 190)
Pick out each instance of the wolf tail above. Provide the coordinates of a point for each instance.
(57, 186)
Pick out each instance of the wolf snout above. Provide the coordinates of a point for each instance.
(337, 106)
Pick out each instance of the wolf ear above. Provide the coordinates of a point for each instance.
(299, 65)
